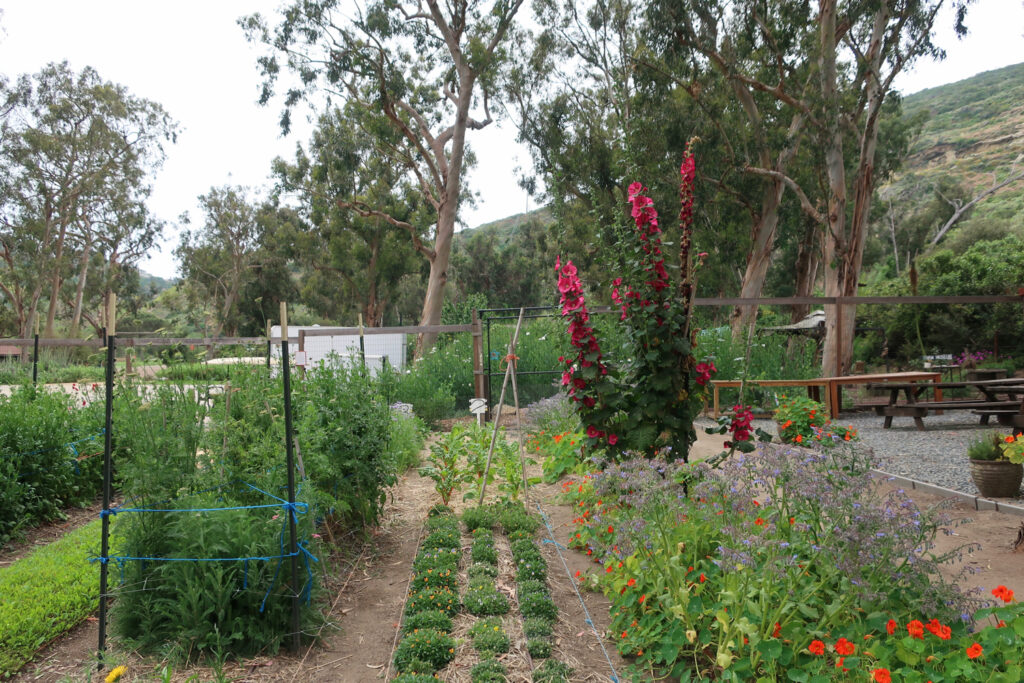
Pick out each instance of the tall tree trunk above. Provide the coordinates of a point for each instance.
(55, 281)
(835, 238)
(83, 274)
(372, 312)
(759, 258)
(446, 214)
(807, 259)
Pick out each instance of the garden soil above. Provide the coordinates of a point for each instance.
(368, 585)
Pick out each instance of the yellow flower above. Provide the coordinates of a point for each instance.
(115, 673)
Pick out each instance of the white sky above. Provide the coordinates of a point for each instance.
(193, 59)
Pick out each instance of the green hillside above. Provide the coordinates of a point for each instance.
(505, 228)
(973, 134)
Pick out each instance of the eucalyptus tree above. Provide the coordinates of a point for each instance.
(354, 263)
(827, 68)
(415, 71)
(75, 150)
(218, 258)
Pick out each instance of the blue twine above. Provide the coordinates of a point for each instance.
(586, 612)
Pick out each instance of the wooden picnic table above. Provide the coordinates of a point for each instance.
(835, 384)
(1002, 398)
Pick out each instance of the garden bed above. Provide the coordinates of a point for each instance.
(368, 588)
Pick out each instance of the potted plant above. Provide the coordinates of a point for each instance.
(997, 464)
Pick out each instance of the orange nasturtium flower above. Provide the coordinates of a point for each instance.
(974, 651)
(891, 627)
(816, 647)
(845, 647)
(1003, 593)
(881, 676)
(916, 629)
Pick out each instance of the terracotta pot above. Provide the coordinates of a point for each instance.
(997, 478)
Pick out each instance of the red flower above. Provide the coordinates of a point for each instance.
(1003, 593)
(631, 582)
(816, 647)
(916, 629)
(890, 627)
(642, 598)
(759, 521)
(593, 432)
(611, 529)
(881, 676)
(612, 439)
(974, 651)
(703, 578)
(778, 630)
(845, 647)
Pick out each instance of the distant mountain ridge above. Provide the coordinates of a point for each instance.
(975, 129)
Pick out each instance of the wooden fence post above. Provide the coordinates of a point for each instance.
(479, 389)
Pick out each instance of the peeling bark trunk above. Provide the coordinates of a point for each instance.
(83, 274)
(807, 259)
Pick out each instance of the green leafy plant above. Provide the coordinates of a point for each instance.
(489, 637)
(799, 418)
(513, 517)
(1013, 448)
(482, 598)
(488, 671)
(483, 549)
(479, 517)
(482, 570)
(440, 599)
(538, 605)
(432, 619)
(552, 671)
(431, 647)
(539, 648)
(46, 594)
(986, 447)
(444, 459)
(537, 627)
(562, 453)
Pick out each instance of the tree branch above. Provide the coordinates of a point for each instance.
(365, 211)
(805, 203)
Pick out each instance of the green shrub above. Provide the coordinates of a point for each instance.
(539, 648)
(488, 671)
(537, 627)
(436, 559)
(483, 599)
(432, 619)
(440, 599)
(39, 472)
(345, 421)
(214, 607)
(441, 539)
(552, 671)
(479, 517)
(539, 605)
(533, 586)
(481, 570)
(525, 548)
(433, 648)
(406, 437)
(520, 534)
(483, 549)
(986, 447)
(435, 578)
(489, 637)
(514, 517)
(416, 677)
(531, 568)
(432, 399)
(443, 522)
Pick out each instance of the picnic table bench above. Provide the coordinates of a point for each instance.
(1003, 398)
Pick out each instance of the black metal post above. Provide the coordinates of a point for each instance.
(270, 346)
(293, 547)
(362, 348)
(105, 514)
(35, 359)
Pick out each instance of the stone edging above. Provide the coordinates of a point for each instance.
(978, 502)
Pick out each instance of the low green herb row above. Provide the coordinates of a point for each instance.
(45, 594)
(433, 598)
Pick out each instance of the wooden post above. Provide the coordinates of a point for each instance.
(479, 390)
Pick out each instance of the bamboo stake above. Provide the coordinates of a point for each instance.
(501, 402)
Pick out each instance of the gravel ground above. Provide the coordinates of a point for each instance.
(937, 455)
